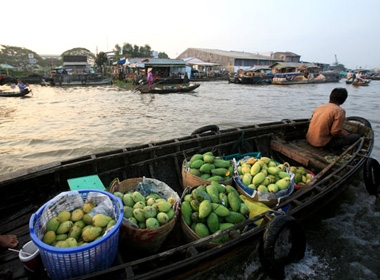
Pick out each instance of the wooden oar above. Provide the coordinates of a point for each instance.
(139, 86)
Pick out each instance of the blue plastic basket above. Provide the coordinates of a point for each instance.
(64, 263)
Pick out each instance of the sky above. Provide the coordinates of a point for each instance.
(325, 31)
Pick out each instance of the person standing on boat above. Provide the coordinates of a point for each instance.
(326, 125)
(150, 78)
(22, 86)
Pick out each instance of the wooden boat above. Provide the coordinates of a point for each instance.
(357, 82)
(374, 77)
(164, 89)
(289, 79)
(15, 93)
(30, 79)
(361, 82)
(296, 78)
(257, 75)
(24, 192)
(79, 80)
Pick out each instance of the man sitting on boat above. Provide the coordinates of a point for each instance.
(326, 125)
(358, 77)
(23, 87)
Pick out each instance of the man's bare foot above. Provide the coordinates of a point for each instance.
(8, 241)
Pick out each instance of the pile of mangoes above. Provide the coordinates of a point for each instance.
(301, 175)
(147, 212)
(211, 208)
(209, 167)
(74, 228)
(264, 174)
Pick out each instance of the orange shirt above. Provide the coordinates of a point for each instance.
(326, 122)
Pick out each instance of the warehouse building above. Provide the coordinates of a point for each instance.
(230, 61)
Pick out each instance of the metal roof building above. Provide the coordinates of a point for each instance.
(229, 60)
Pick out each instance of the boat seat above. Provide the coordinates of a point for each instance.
(301, 151)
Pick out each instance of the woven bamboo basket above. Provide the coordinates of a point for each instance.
(188, 232)
(147, 240)
(190, 180)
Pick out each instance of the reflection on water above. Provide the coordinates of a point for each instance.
(60, 123)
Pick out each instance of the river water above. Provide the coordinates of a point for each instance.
(60, 123)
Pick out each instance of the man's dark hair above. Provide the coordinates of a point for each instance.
(338, 96)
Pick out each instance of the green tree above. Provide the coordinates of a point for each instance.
(136, 51)
(162, 55)
(146, 51)
(19, 57)
(127, 50)
(101, 61)
(131, 51)
(116, 52)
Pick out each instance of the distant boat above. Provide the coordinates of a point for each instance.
(79, 80)
(65, 76)
(361, 82)
(254, 75)
(180, 88)
(294, 78)
(15, 93)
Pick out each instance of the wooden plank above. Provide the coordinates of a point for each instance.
(298, 156)
(308, 157)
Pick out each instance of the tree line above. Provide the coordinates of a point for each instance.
(21, 57)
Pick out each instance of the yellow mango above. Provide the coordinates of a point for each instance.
(64, 227)
(64, 215)
(88, 206)
(49, 237)
(90, 233)
(256, 167)
(77, 215)
(163, 206)
(283, 183)
(258, 178)
(100, 220)
(247, 179)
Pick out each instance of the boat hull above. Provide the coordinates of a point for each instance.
(296, 78)
(81, 81)
(28, 189)
(170, 89)
(15, 94)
